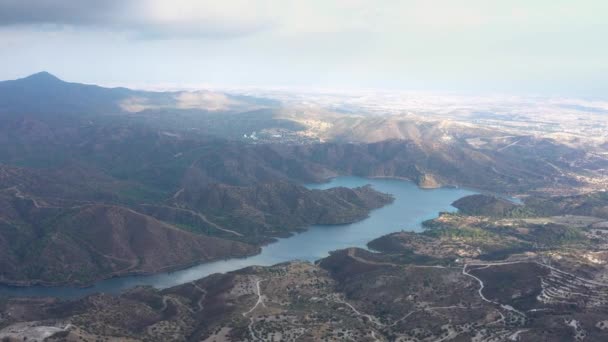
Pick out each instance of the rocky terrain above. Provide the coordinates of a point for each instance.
(98, 182)
(280, 207)
(51, 244)
(484, 205)
(166, 146)
(464, 278)
(593, 204)
(77, 245)
(71, 157)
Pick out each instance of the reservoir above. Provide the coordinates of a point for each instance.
(411, 207)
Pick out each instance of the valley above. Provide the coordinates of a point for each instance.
(303, 171)
(411, 206)
(118, 241)
(203, 215)
(477, 278)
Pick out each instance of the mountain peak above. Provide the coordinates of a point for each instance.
(43, 76)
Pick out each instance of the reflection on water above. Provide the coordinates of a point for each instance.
(412, 206)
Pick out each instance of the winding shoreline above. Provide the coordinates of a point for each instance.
(410, 207)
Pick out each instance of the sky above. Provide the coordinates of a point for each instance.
(551, 47)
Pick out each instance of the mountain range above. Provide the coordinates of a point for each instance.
(180, 162)
(107, 182)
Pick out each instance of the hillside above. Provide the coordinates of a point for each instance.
(190, 161)
(98, 182)
(279, 207)
(594, 204)
(43, 93)
(78, 245)
(54, 240)
(589, 204)
(351, 294)
(463, 278)
(485, 205)
(445, 165)
(179, 138)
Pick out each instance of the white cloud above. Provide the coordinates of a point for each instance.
(192, 18)
(501, 45)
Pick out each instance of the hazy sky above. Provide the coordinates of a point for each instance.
(531, 46)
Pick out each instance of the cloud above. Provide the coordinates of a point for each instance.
(520, 45)
(157, 19)
(58, 12)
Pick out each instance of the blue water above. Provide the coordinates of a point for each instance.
(412, 205)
